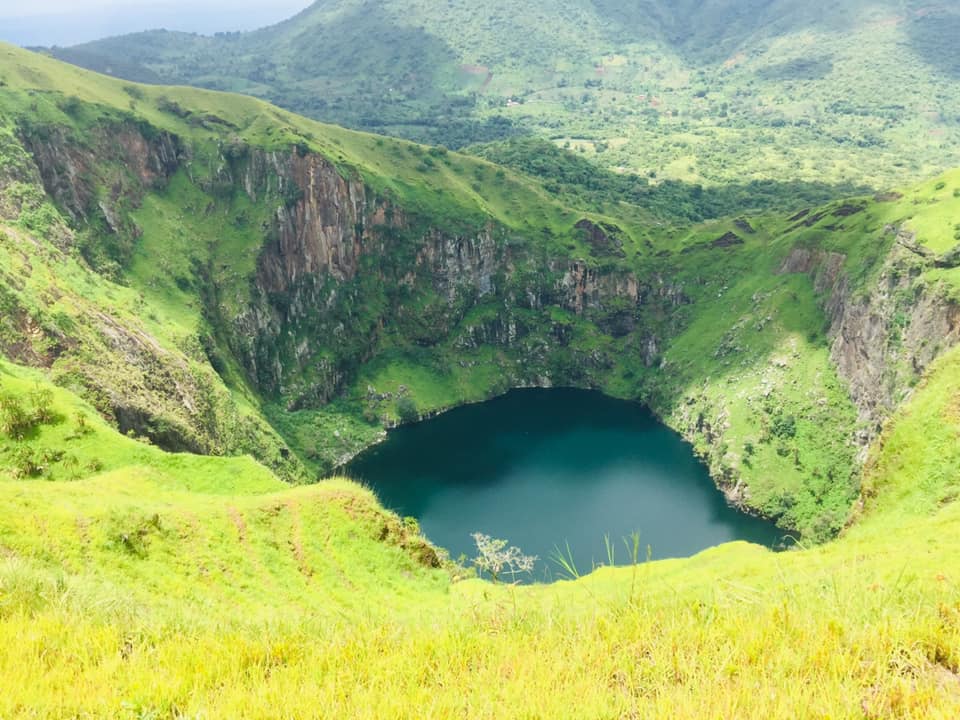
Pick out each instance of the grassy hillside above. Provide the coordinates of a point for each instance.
(711, 93)
(157, 589)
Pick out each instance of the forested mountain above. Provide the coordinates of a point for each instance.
(702, 91)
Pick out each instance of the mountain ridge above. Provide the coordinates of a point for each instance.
(793, 90)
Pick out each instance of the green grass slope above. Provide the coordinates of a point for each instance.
(163, 590)
(705, 92)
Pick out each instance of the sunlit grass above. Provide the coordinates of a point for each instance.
(140, 594)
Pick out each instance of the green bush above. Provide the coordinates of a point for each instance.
(28, 462)
(784, 426)
(16, 421)
(41, 405)
(407, 410)
(25, 463)
(18, 418)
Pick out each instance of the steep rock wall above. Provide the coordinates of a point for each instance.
(81, 193)
(883, 337)
(72, 171)
(455, 264)
(584, 288)
(322, 224)
(319, 230)
(335, 251)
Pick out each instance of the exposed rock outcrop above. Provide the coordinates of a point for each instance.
(603, 238)
(459, 263)
(585, 288)
(726, 240)
(881, 340)
(70, 170)
(304, 298)
(320, 228)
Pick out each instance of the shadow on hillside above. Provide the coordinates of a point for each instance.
(935, 39)
(707, 33)
(579, 182)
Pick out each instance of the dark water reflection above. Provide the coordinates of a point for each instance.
(550, 468)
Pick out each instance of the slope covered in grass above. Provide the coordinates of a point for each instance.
(138, 593)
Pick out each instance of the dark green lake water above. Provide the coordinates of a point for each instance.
(550, 468)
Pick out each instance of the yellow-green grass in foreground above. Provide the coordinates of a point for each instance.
(136, 593)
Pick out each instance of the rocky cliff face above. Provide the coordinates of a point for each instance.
(319, 230)
(458, 264)
(119, 156)
(584, 288)
(883, 339)
(322, 225)
(146, 387)
(333, 247)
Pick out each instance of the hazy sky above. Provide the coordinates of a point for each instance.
(66, 22)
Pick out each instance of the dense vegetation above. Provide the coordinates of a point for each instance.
(710, 93)
(143, 312)
(580, 182)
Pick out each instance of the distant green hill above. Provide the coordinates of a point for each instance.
(712, 92)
